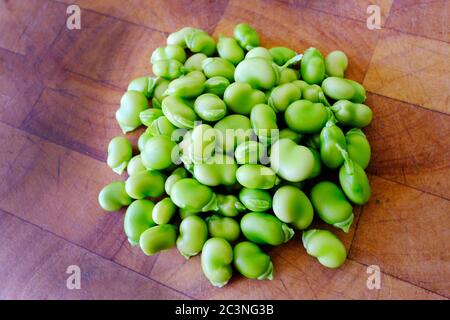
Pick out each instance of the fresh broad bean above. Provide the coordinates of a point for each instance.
(143, 138)
(259, 52)
(131, 105)
(138, 218)
(223, 227)
(135, 165)
(304, 116)
(177, 174)
(162, 127)
(291, 205)
(246, 36)
(311, 92)
(331, 140)
(343, 89)
(158, 94)
(300, 84)
(200, 41)
(290, 161)
(249, 152)
(352, 114)
(263, 228)
(252, 262)
(216, 260)
(159, 153)
(255, 200)
(325, 246)
(174, 52)
(229, 205)
(232, 130)
(119, 154)
(191, 195)
(312, 66)
(354, 181)
(113, 196)
(288, 75)
(163, 211)
(145, 184)
(179, 37)
(257, 72)
(149, 115)
(256, 176)
(158, 238)
(210, 107)
(179, 112)
(220, 170)
(193, 235)
(358, 147)
(218, 67)
(194, 62)
(216, 85)
(241, 97)
(168, 69)
(202, 144)
(283, 95)
(264, 123)
(281, 55)
(189, 86)
(287, 133)
(144, 85)
(336, 63)
(331, 205)
(228, 48)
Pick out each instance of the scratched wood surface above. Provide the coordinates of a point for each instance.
(59, 90)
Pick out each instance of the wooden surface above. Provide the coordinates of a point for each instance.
(59, 90)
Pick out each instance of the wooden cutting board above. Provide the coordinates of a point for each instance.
(59, 90)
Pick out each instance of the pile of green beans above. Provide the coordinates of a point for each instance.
(238, 141)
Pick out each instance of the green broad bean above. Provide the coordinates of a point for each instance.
(169, 52)
(135, 165)
(179, 112)
(311, 93)
(229, 205)
(119, 154)
(216, 85)
(144, 85)
(138, 218)
(113, 196)
(232, 130)
(290, 161)
(252, 262)
(162, 127)
(193, 235)
(317, 168)
(255, 200)
(263, 228)
(352, 114)
(223, 227)
(158, 94)
(282, 96)
(200, 41)
(287, 133)
(241, 97)
(264, 123)
(249, 152)
(228, 48)
(178, 37)
(220, 170)
(344, 89)
(177, 174)
(216, 260)
(300, 84)
(202, 144)
(312, 66)
(331, 205)
(149, 115)
(218, 67)
(336, 63)
(193, 196)
(259, 52)
(256, 176)
(194, 62)
(168, 69)
(358, 147)
(189, 86)
(145, 184)
(258, 73)
(143, 138)
(304, 116)
(291, 205)
(325, 246)
(281, 55)
(354, 181)
(163, 211)
(158, 153)
(210, 107)
(246, 36)
(158, 238)
(131, 105)
(288, 75)
(332, 139)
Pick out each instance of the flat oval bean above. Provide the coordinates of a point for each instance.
(223, 227)
(138, 218)
(163, 211)
(325, 246)
(263, 228)
(131, 105)
(252, 262)
(193, 235)
(255, 200)
(113, 196)
(291, 205)
(158, 238)
(216, 260)
(256, 176)
(217, 86)
(228, 48)
(145, 184)
(210, 107)
(119, 154)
